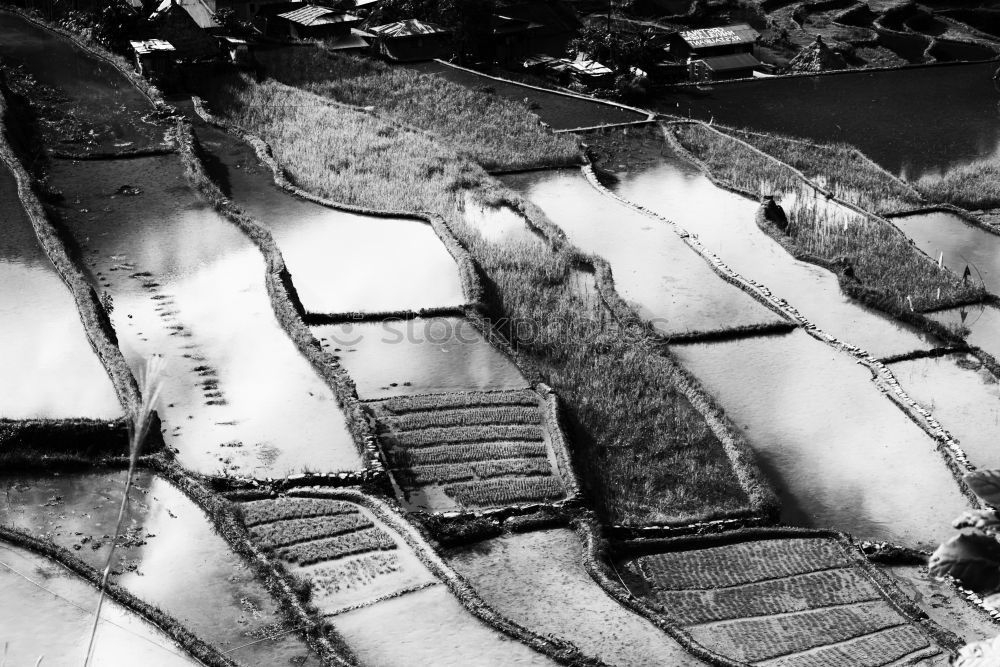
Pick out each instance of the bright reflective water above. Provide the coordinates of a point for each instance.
(725, 222)
(499, 224)
(964, 395)
(237, 395)
(962, 243)
(170, 556)
(653, 268)
(419, 356)
(841, 455)
(913, 122)
(39, 593)
(979, 324)
(47, 366)
(428, 627)
(340, 262)
(110, 107)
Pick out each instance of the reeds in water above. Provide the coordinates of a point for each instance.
(139, 427)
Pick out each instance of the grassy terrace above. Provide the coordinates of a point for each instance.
(647, 454)
(492, 130)
(975, 186)
(887, 267)
(840, 168)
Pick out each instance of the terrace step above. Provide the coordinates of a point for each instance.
(879, 648)
(493, 415)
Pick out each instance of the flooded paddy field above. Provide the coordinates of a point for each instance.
(373, 588)
(102, 110)
(340, 262)
(39, 593)
(726, 223)
(958, 243)
(964, 395)
(979, 324)
(887, 115)
(670, 284)
(168, 555)
(538, 580)
(500, 224)
(418, 356)
(429, 627)
(841, 454)
(42, 340)
(184, 283)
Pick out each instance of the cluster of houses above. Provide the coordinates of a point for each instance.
(529, 34)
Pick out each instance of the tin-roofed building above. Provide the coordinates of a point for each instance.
(411, 40)
(725, 52)
(315, 22)
(154, 58)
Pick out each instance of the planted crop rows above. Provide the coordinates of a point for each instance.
(782, 602)
(488, 452)
(292, 531)
(332, 548)
(403, 404)
(263, 511)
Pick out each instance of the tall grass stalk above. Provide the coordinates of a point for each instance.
(138, 431)
(974, 186)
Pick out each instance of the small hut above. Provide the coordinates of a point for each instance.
(410, 40)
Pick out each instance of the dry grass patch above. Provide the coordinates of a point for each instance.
(495, 131)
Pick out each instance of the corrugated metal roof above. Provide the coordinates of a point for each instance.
(196, 9)
(407, 28)
(724, 36)
(147, 46)
(311, 15)
(588, 67)
(730, 62)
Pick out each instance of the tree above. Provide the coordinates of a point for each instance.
(618, 50)
(117, 23)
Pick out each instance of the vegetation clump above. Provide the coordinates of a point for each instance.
(840, 168)
(648, 454)
(975, 186)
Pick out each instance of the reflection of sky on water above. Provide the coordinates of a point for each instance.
(842, 454)
(961, 243)
(652, 266)
(189, 285)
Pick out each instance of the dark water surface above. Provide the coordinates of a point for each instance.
(924, 120)
(95, 91)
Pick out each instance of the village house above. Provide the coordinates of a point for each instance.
(524, 29)
(315, 22)
(172, 22)
(154, 58)
(717, 53)
(410, 40)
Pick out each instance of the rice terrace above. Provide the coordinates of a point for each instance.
(500, 332)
